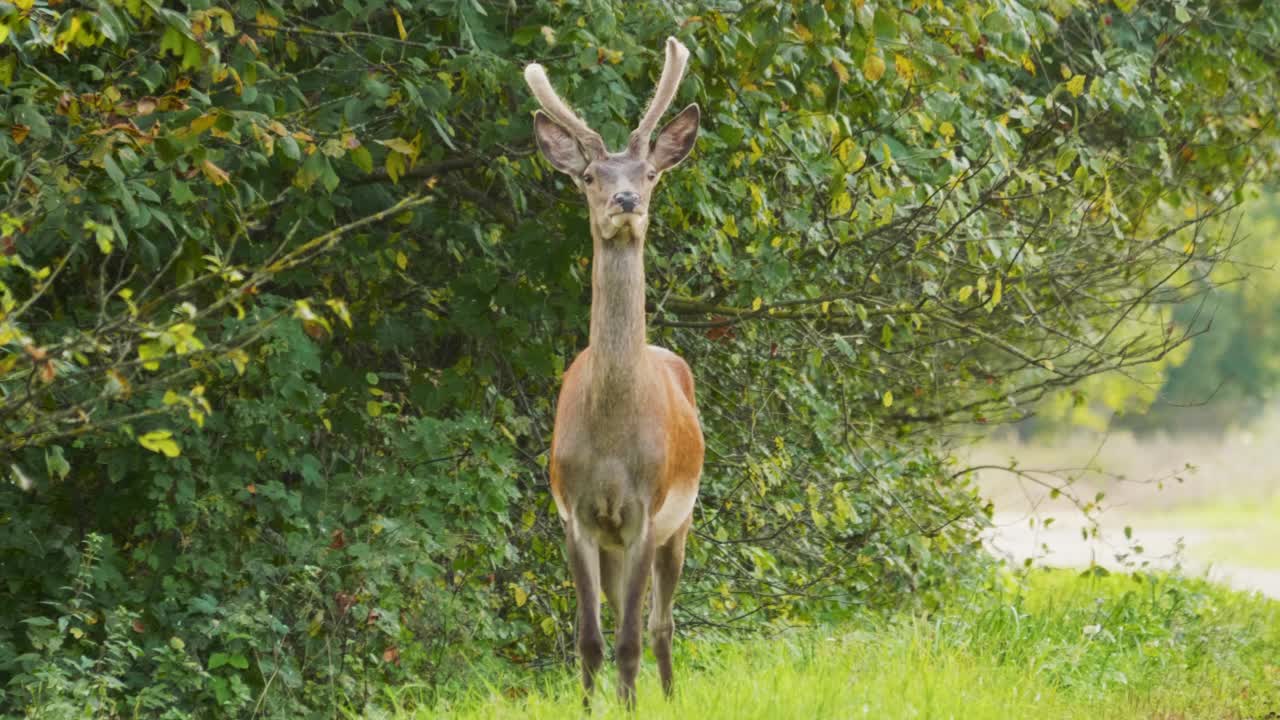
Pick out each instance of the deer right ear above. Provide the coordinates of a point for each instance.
(558, 146)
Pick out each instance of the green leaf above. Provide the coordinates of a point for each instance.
(56, 462)
(180, 192)
(362, 159)
(290, 147)
(113, 170)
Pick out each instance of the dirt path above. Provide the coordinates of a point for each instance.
(1162, 548)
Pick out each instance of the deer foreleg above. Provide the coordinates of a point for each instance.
(584, 564)
(637, 566)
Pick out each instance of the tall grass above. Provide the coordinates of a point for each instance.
(1060, 646)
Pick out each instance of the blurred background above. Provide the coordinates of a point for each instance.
(1176, 465)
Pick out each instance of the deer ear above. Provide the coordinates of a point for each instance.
(675, 141)
(558, 146)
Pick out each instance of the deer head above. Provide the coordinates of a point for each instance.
(617, 185)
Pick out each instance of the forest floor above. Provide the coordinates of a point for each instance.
(1051, 644)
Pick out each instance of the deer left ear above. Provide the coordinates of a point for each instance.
(558, 146)
(675, 141)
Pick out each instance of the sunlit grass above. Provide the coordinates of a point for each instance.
(1224, 514)
(1240, 533)
(1065, 647)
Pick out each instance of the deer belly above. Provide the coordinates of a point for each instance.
(674, 511)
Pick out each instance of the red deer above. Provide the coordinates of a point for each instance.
(626, 451)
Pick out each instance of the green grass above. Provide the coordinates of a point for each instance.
(1061, 647)
(1236, 532)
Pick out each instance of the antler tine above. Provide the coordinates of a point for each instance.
(536, 76)
(672, 72)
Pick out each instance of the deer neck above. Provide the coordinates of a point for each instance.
(617, 322)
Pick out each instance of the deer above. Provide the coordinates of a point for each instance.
(626, 445)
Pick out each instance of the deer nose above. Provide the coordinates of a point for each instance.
(627, 200)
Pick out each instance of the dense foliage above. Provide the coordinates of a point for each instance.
(286, 294)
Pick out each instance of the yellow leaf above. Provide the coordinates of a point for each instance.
(996, 293)
(77, 633)
(267, 21)
(730, 227)
(215, 174)
(887, 398)
(225, 21)
(149, 354)
(757, 303)
(240, 359)
(906, 70)
(947, 130)
(522, 597)
(160, 441)
(395, 166)
(373, 407)
(65, 37)
(1076, 85)
(400, 25)
(339, 308)
(803, 33)
(202, 123)
(400, 145)
(1028, 65)
(964, 293)
(873, 66)
(1066, 72)
(841, 203)
(402, 260)
(840, 70)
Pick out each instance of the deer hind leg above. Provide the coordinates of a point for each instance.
(635, 568)
(668, 563)
(584, 564)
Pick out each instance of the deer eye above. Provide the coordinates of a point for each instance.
(588, 178)
(653, 174)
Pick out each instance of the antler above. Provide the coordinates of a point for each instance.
(672, 72)
(536, 77)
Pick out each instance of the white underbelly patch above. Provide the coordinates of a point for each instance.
(675, 509)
